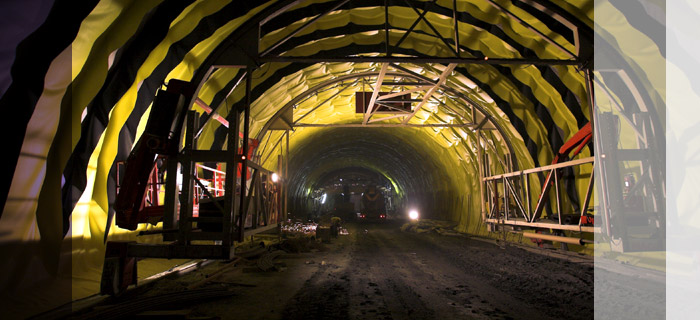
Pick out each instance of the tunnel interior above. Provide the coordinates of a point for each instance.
(342, 190)
(502, 78)
(429, 167)
(417, 178)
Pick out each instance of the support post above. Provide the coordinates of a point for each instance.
(598, 166)
(187, 183)
(586, 200)
(286, 178)
(506, 203)
(527, 197)
(243, 212)
(230, 178)
(170, 205)
(280, 184)
(480, 166)
(557, 194)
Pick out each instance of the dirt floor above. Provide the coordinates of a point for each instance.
(380, 272)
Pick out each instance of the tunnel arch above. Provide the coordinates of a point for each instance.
(88, 119)
(454, 203)
(467, 102)
(260, 15)
(420, 179)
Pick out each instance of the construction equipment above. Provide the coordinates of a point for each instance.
(162, 181)
(373, 207)
(508, 195)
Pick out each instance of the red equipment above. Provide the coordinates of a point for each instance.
(578, 141)
(161, 137)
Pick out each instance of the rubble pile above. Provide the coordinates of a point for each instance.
(299, 228)
(300, 237)
(422, 226)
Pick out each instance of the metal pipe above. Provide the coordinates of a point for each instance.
(480, 166)
(506, 203)
(588, 195)
(557, 193)
(375, 93)
(527, 197)
(550, 237)
(543, 168)
(518, 201)
(213, 114)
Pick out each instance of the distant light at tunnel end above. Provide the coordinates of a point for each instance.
(275, 177)
(413, 214)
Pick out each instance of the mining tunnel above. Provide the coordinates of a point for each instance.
(223, 159)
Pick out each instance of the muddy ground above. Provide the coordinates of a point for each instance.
(380, 272)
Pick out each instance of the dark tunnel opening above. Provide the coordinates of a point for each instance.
(415, 177)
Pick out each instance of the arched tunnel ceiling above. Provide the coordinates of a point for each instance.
(79, 122)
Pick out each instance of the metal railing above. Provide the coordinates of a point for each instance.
(508, 199)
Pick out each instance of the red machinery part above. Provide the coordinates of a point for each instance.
(139, 165)
(161, 137)
(578, 141)
(587, 220)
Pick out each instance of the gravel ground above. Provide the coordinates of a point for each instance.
(380, 272)
(398, 275)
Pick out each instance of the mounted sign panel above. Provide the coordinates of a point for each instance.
(397, 104)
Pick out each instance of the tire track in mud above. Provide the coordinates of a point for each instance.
(384, 290)
(387, 274)
(527, 285)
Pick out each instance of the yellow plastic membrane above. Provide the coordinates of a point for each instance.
(55, 125)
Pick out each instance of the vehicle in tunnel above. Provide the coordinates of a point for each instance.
(373, 205)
